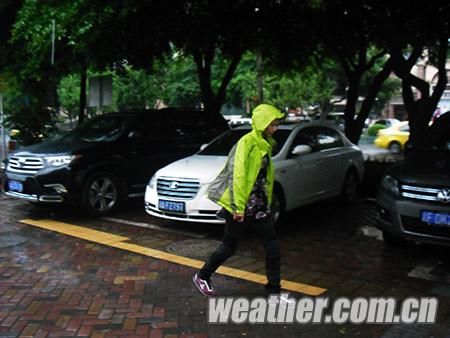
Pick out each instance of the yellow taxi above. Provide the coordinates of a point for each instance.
(393, 138)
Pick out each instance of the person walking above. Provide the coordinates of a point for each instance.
(244, 190)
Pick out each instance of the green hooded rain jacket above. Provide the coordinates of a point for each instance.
(232, 187)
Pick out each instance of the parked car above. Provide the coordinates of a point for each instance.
(414, 196)
(393, 138)
(313, 161)
(335, 118)
(236, 122)
(107, 159)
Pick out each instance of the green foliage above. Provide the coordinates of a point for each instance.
(33, 123)
(312, 85)
(69, 95)
(373, 129)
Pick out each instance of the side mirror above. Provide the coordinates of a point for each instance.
(301, 150)
(203, 146)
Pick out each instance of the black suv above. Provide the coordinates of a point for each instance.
(108, 158)
(414, 196)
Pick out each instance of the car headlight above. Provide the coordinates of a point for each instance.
(391, 184)
(58, 161)
(151, 183)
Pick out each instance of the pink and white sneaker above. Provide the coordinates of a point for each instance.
(203, 286)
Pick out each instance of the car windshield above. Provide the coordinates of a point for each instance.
(105, 128)
(222, 145)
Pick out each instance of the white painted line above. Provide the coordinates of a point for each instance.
(422, 271)
(152, 226)
(373, 232)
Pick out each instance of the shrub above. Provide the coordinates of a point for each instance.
(373, 129)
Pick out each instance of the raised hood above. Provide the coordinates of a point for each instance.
(202, 167)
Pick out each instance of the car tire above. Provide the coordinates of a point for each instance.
(277, 207)
(350, 187)
(392, 239)
(101, 194)
(395, 147)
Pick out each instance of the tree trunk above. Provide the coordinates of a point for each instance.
(259, 77)
(354, 81)
(420, 111)
(83, 97)
(213, 102)
(358, 123)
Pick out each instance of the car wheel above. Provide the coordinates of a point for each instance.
(277, 207)
(101, 194)
(393, 240)
(350, 187)
(395, 147)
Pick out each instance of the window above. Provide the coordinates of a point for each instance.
(306, 136)
(105, 128)
(328, 138)
(404, 128)
(318, 138)
(222, 145)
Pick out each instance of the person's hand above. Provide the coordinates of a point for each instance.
(238, 217)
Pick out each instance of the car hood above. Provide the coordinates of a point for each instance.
(424, 168)
(205, 168)
(64, 145)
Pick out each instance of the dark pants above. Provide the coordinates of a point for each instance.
(232, 234)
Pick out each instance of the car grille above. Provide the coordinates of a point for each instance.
(415, 225)
(28, 165)
(421, 193)
(183, 188)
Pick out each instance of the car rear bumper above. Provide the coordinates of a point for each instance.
(402, 217)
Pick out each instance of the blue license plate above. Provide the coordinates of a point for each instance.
(15, 186)
(171, 206)
(437, 218)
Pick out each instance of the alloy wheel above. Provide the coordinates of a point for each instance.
(102, 194)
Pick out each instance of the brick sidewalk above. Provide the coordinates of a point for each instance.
(53, 285)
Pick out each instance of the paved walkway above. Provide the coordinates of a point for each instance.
(57, 285)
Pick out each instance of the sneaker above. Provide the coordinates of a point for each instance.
(203, 286)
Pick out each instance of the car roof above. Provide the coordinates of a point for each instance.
(291, 126)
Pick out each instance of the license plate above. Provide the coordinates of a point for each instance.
(432, 217)
(171, 206)
(15, 186)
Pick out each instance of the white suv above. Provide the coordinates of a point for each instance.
(313, 161)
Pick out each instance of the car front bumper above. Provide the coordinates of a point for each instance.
(46, 186)
(402, 217)
(198, 209)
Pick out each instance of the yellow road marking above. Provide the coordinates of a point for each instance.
(118, 242)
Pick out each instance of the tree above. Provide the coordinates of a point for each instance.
(425, 38)
(74, 40)
(351, 42)
(8, 10)
(201, 29)
(309, 85)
